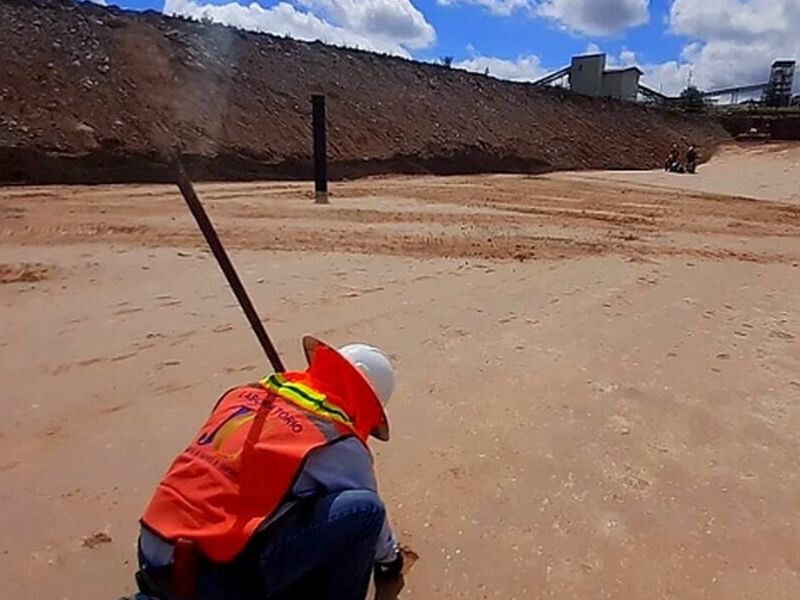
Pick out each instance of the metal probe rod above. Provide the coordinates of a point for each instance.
(205, 225)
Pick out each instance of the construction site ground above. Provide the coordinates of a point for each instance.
(599, 373)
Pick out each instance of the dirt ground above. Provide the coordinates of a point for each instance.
(766, 171)
(599, 374)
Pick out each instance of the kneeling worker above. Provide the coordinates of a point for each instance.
(276, 496)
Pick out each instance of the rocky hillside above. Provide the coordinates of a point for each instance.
(92, 94)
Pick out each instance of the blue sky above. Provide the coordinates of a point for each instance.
(671, 40)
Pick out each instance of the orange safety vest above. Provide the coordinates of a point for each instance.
(244, 461)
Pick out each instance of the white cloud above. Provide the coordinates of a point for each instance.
(586, 17)
(733, 42)
(496, 7)
(627, 58)
(592, 48)
(396, 19)
(743, 20)
(100, 2)
(596, 17)
(668, 77)
(392, 26)
(524, 68)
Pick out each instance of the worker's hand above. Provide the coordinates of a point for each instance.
(390, 570)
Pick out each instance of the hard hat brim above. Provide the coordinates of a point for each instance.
(310, 345)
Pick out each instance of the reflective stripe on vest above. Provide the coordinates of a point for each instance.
(239, 468)
(307, 398)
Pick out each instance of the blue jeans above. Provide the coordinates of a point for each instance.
(323, 549)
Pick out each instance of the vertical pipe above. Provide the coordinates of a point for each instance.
(320, 149)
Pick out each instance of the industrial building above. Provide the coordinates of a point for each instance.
(778, 91)
(587, 75)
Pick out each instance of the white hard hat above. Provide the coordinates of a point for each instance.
(375, 365)
(374, 376)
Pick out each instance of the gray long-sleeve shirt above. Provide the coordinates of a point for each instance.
(345, 465)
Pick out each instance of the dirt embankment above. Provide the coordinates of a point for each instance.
(91, 94)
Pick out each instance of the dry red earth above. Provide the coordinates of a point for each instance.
(598, 392)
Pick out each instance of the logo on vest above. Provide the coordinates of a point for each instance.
(224, 439)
